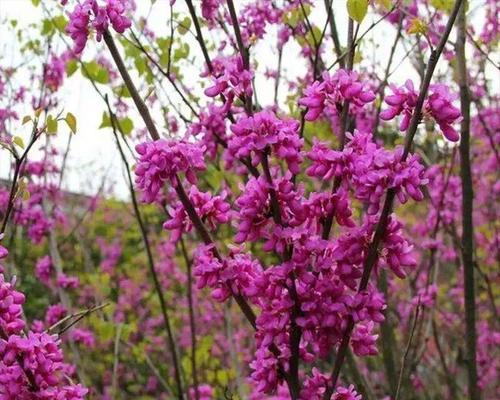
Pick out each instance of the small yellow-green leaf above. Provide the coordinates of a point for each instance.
(26, 195)
(19, 141)
(417, 26)
(357, 9)
(443, 5)
(106, 121)
(26, 119)
(126, 125)
(51, 125)
(184, 26)
(71, 121)
(71, 67)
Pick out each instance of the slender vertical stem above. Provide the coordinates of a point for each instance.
(405, 355)
(192, 323)
(388, 340)
(199, 34)
(139, 103)
(243, 50)
(334, 32)
(467, 207)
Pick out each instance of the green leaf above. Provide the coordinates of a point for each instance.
(184, 25)
(51, 125)
(60, 22)
(35, 2)
(26, 119)
(121, 91)
(443, 5)
(105, 122)
(19, 141)
(181, 52)
(71, 121)
(126, 125)
(47, 27)
(71, 67)
(93, 71)
(357, 9)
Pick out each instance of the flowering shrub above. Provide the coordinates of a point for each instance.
(294, 227)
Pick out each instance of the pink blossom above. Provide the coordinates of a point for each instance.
(160, 162)
(254, 135)
(43, 269)
(334, 90)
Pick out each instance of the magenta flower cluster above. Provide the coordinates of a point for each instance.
(230, 79)
(369, 169)
(90, 15)
(264, 132)
(333, 90)
(438, 105)
(31, 364)
(160, 162)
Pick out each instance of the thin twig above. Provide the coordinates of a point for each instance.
(407, 350)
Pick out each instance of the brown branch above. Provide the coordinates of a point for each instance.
(139, 103)
(199, 34)
(467, 208)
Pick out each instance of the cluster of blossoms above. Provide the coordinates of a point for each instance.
(230, 79)
(55, 70)
(160, 161)
(213, 210)
(210, 129)
(333, 91)
(31, 364)
(255, 17)
(263, 132)
(90, 14)
(438, 105)
(369, 169)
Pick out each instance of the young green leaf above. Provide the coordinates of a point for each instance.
(19, 141)
(357, 9)
(71, 121)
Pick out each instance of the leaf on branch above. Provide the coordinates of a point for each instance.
(184, 26)
(51, 125)
(19, 141)
(71, 121)
(357, 9)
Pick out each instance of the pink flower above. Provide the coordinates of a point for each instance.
(213, 210)
(67, 282)
(334, 90)
(230, 79)
(160, 161)
(343, 393)
(43, 269)
(402, 101)
(90, 13)
(55, 313)
(83, 336)
(11, 303)
(254, 135)
(440, 106)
